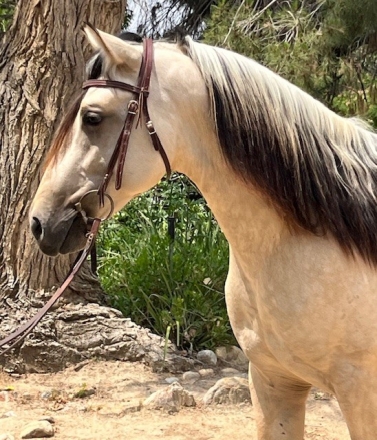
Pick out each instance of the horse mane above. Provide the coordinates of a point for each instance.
(318, 168)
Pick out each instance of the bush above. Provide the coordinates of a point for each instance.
(163, 262)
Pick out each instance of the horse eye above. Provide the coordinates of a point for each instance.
(91, 118)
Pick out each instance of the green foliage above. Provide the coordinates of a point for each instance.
(6, 14)
(326, 47)
(169, 285)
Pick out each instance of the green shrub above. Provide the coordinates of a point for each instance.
(171, 285)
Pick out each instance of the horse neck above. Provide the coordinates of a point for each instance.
(250, 222)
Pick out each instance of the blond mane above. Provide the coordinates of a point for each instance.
(319, 168)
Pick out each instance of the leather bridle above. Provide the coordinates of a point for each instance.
(137, 108)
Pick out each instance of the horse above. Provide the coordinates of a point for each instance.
(291, 184)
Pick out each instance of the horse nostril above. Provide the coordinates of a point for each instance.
(36, 228)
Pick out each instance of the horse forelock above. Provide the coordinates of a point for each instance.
(62, 134)
(318, 168)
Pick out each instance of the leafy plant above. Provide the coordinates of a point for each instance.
(163, 262)
(6, 13)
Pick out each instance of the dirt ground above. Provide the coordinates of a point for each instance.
(113, 411)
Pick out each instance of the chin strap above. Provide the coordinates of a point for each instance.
(20, 334)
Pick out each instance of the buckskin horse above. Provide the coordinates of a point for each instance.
(292, 185)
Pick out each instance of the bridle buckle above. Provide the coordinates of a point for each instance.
(133, 107)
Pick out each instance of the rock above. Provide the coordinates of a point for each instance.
(74, 406)
(6, 436)
(190, 376)
(170, 380)
(84, 392)
(39, 429)
(228, 390)
(172, 363)
(207, 357)
(234, 356)
(170, 399)
(206, 372)
(229, 372)
(46, 395)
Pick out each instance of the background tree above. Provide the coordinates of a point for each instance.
(41, 66)
(159, 19)
(326, 47)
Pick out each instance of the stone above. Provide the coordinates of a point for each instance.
(170, 399)
(206, 372)
(233, 356)
(229, 372)
(41, 429)
(84, 392)
(229, 390)
(46, 395)
(207, 357)
(171, 362)
(170, 380)
(74, 406)
(190, 376)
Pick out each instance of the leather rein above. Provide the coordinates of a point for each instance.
(137, 108)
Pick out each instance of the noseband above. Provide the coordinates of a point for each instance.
(137, 108)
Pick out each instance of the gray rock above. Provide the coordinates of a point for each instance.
(234, 356)
(46, 395)
(170, 380)
(229, 390)
(190, 376)
(39, 429)
(172, 363)
(170, 399)
(207, 357)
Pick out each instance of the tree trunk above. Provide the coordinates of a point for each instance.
(41, 67)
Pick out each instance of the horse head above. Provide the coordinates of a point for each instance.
(115, 111)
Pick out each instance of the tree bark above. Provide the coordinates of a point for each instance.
(41, 67)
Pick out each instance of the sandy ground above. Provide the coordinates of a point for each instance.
(113, 411)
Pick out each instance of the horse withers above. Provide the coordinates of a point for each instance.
(292, 185)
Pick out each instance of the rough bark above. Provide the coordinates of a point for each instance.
(41, 67)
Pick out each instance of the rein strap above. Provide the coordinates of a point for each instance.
(21, 333)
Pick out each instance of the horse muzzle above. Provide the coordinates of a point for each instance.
(63, 236)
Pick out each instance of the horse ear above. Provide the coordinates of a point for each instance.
(116, 51)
